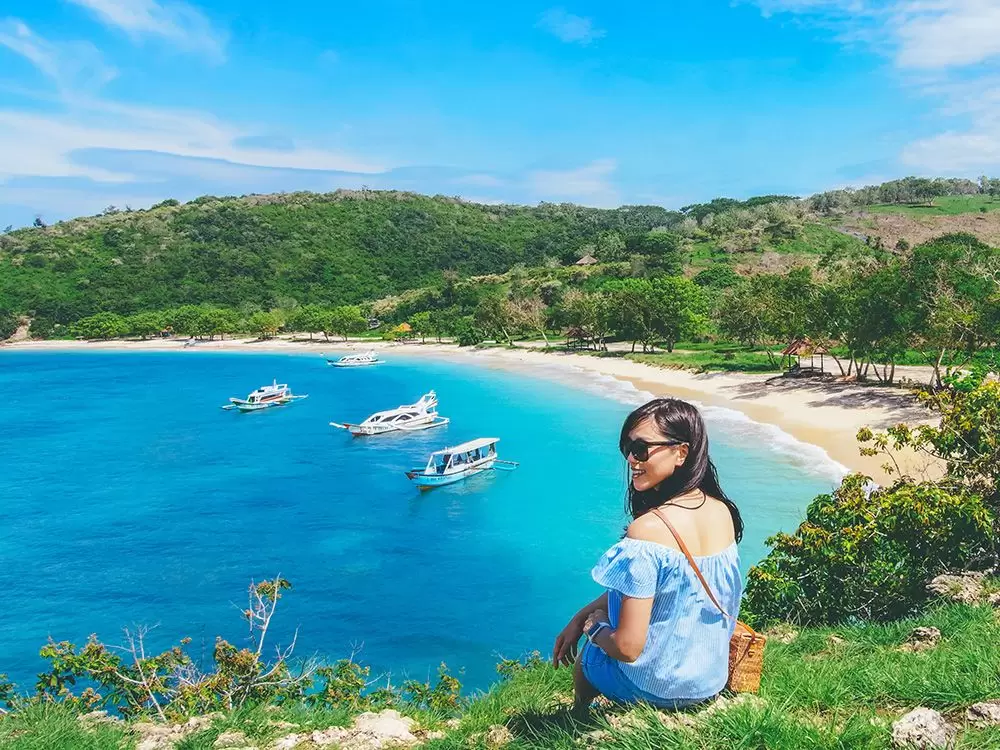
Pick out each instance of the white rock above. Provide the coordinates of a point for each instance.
(965, 588)
(986, 714)
(922, 729)
(231, 740)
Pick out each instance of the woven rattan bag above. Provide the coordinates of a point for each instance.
(746, 647)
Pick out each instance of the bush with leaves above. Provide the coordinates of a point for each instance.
(8, 324)
(170, 685)
(866, 554)
(967, 438)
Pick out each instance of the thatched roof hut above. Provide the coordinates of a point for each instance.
(587, 260)
(803, 347)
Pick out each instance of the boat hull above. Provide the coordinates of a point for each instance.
(336, 363)
(414, 425)
(429, 481)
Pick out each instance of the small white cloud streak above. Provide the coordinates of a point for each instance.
(569, 28)
(70, 65)
(589, 184)
(181, 24)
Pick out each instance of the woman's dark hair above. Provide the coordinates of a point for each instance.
(677, 420)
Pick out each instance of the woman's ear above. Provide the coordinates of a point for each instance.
(682, 453)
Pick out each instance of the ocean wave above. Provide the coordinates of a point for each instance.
(734, 426)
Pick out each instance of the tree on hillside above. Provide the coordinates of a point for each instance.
(678, 309)
(8, 324)
(953, 291)
(591, 312)
(530, 314)
(496, 317)
(308, 318)
(663, 252)
(610, 247)
(265, 324)
(422, 324)
(344, 321)
(145, 324)
(749, 313)
(218, 321)
(101, 326)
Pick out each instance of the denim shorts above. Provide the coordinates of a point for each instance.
(605, 675)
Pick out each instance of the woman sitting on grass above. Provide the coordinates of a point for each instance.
(654, 635)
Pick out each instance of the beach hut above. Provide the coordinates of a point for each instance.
(578, 338)
(803, 347)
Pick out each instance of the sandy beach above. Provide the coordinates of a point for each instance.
(824, 414)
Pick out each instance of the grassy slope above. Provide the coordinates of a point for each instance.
(949, 205)
(818, 692)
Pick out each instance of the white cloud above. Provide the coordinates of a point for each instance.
(43, 144)
(589, 184)
(568, 27)
(181, 24)
(70, 65)
(938, 34)
(947, 50)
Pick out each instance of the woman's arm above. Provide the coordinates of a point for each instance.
(626, 642)
(565, 647)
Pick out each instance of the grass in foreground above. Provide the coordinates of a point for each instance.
(829, 688)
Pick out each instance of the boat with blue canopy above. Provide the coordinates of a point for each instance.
(451, 465)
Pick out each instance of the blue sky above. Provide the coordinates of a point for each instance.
(128, 102)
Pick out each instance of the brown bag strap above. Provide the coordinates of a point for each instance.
(680, 543)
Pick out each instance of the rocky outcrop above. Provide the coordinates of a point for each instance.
(922, 639)
(370, 731)
(986, 714)
(964, 588)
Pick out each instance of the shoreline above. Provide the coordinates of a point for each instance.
(822, 414)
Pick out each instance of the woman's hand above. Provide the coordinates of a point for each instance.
(598, 615)
(564, 652)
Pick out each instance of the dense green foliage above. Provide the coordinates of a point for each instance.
(8, 324)
(906, 190)
(264, 252)
(866, 554)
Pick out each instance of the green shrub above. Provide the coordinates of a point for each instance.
(867, 555)
(8, 324)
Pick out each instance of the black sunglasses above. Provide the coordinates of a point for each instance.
(639, 448)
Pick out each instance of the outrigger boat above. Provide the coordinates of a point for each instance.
(461, 462)
(265, 397)
(356, 360)
(419, 416)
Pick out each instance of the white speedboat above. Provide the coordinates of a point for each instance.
(409, 418)
(265, 397)
(452, 465)
(356, 360)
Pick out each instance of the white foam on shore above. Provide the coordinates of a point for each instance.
(736, 427)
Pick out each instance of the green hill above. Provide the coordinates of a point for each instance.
(272, 251)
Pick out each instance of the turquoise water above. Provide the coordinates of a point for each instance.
(129, 498)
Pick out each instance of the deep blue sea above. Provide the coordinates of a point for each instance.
(128, 497)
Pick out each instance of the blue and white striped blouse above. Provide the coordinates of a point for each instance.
(687, 648)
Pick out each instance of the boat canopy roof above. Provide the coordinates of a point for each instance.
(467, 447)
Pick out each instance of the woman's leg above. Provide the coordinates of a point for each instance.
(583, 691)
